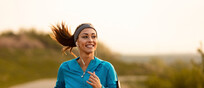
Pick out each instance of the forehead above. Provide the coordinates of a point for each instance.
(88, 31)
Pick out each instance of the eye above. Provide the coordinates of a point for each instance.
(84, 36)
(93, 37)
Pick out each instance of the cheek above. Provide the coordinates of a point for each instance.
(81, 43)
(96, 43)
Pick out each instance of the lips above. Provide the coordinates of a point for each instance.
(89, 45)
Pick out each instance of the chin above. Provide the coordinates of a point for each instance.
(89, 51)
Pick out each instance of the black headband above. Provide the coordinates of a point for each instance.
(83, 26)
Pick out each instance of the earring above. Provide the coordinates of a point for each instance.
(76, 44)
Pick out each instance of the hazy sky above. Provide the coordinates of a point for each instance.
(125, 26)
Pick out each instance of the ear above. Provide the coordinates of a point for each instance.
(76, 44)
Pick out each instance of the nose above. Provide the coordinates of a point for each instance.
(90, 39)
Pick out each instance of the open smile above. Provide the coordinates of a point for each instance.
(89, 46)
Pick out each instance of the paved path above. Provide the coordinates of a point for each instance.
(43, 83)
(50, 83)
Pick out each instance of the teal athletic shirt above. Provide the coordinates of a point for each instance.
(70, 74)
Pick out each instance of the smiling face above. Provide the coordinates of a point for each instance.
(87, 41)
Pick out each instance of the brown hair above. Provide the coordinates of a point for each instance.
(63, 35)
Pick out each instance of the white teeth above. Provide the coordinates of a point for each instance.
(89, 46)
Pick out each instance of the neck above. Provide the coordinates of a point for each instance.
(86, 58)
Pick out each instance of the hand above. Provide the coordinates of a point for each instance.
(94, 80)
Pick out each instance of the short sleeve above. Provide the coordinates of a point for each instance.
(112, 77)
(60, 78)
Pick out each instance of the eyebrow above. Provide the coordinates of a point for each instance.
(87, 33)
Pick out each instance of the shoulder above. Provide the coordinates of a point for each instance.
(106, 64)
(110, 70)
(67, 63)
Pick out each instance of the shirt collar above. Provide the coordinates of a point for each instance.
(74, 65)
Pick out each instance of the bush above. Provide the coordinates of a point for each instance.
(181, 76)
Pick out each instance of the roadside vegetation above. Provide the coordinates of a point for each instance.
(30, 55)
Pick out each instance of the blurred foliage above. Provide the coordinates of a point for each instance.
(177, 75)
(34, 55)
(17, 66)
(200, 51)
(30, 55)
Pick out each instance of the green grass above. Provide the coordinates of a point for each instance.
(22, 65)
(18, 66)
(177, 75)
(25, 63)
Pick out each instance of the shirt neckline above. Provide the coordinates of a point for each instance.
(90, 64)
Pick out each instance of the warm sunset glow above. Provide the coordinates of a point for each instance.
(127, 27)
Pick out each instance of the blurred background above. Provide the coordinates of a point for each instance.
(151, 43)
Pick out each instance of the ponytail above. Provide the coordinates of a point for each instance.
(63, 36)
